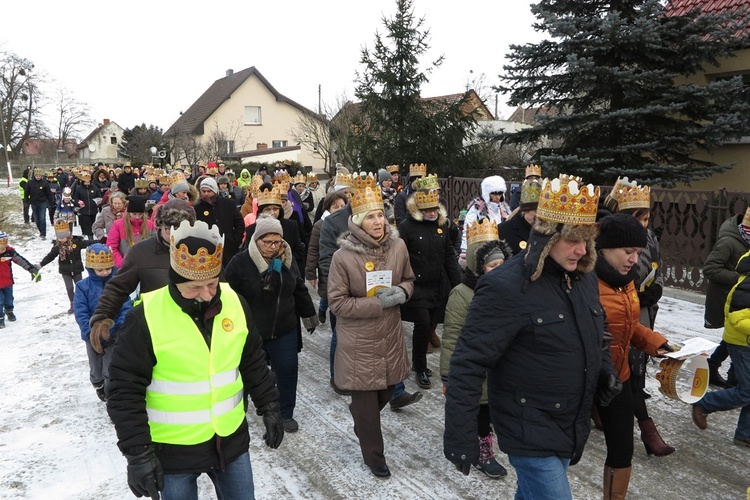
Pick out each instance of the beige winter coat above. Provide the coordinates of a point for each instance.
(371, 352)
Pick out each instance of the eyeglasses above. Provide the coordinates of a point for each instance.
(271, 244)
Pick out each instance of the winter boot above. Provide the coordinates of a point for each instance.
(653, 442)
(434, 339)
(100, 392)
(487, 462)
(2, 321)
(9, 314)
(616, 482)
(714, 377)
(70, 311)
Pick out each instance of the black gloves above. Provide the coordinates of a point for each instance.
(274, 426)
(650, 295)
(145, 475)
(609, 387)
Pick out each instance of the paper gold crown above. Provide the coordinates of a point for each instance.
(366, 200)
(104, 259)
(141, 183)
(533, 170)
(300, 178)
(392, 169)
(118, 170)
(344, 180)
(417, 169)
(312, 177)
(428, 182)
(565, 201)
(212, 171)
(84, 176)
(283, 187)
(255, 184)
(481, 231)
(364, 180)
(38, 171)
(427, 199)
(176, 177)
(164, 179)
(530, 193)
(269, 197)
(281, 176)
(62, 228)
(629, 194)
(201, 265)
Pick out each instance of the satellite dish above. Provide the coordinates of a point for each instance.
(92, 148)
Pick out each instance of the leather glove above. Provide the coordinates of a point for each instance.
(391, 297)
(274, 426)
(663, 349)
(99, 333)
(607, 339)
(650, 295)
(145, 475)
(310, 323)
(608, 389)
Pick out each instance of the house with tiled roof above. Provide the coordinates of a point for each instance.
(737, 153)
(241, 117)
(101, 145)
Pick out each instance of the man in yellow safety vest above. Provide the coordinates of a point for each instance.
(184, 362)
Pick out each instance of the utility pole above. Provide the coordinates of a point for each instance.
(5, 145)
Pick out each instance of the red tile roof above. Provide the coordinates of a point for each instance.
(682, 7)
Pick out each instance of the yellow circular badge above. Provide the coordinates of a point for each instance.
(440, 231)
(205, 213)
(227, 325)
(370, 266)
(73, 246)
(522, 245)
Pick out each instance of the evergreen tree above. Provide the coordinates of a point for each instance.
(616, 72)
(395, 125)
(137, 142)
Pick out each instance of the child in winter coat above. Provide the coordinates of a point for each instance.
(68, 250)
(100, 266)
(133, 227)
(66, 208)
(7, 255)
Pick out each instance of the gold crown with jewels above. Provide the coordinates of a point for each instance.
(530, 192)
(533, 170)
(629, 194)
(103, 259)
(201, 265)
(62, 228)
(563, 200)
(300, 178)
(312, 177)
(281, 176)
(141, 183)
(84, 176)
(269, 197)
(392, 169)
(176, 177)
(428, 182)
(427, 199)
(364, 180)
(365, 200)
(417, 169)
(344, 180)
(481, 231)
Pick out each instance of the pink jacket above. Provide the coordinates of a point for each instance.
(118, 243)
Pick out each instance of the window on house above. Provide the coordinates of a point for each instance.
(226, 147)
(113, 140)
(279, 144)
(252, 115)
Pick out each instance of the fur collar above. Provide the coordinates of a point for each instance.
(358, 241)
(416, 214)
(260, 262)
(543, 237)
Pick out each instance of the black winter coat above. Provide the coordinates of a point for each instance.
(130, 373)
(126, 181)
(541, 350)
(225, 214)
(146, 263)
(274, 312)
(72, 264)
(87, 194)
(39, 192)
(515, 231)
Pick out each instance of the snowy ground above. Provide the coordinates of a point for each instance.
(56, 440)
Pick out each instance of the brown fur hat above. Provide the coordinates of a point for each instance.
(550, 233)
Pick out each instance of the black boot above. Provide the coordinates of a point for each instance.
(714, 377)
(2, 321)
(70, 311)
(731, 378)
(9, 314)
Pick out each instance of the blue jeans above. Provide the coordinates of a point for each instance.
(235, 482)
(282, 351)
(541, 477)
(332, 352)
(40, 217)
(734, 397)
(398, 390)
(7, 295)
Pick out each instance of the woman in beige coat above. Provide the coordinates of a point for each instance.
(370, 276)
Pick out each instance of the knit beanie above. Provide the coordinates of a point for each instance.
(621, 231)
(384, 175)
(267, 225)
(136, 204)
(210, 183)
(223, 179)
(358, 219)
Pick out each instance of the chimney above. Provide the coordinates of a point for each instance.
(261, 145)
(230, 72)
(106, 121)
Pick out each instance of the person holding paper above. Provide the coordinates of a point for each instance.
(621, 238)
(369, 277)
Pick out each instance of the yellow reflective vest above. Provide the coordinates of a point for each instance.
(195, 392)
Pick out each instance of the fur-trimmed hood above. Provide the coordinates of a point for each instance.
(104, 171)
(545, 234)
(260, 262)
(492, 184)
(413, 210)
(358, 241)
(485, 249)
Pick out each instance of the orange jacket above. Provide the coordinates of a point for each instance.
(623, 309)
